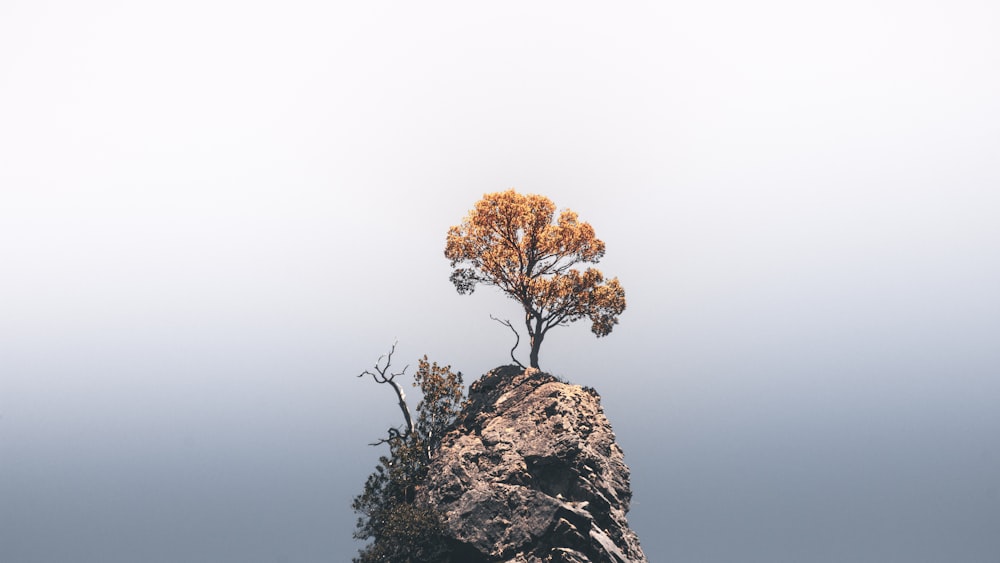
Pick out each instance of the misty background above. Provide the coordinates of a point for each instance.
(214, 215)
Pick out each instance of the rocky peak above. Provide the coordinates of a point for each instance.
(532, 473)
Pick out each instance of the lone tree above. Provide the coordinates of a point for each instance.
(510, 241)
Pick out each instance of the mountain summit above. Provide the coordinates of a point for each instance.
(531, 472)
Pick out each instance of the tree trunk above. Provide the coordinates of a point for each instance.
(403, 407)
(536, 343)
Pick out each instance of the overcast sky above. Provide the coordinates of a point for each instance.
(214, 214)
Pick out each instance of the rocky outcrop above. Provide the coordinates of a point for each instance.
(532, 473)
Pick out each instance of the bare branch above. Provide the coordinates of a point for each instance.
(517, 337)
(394, 434)
(383, 375)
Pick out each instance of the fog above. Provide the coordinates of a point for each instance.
(214, 215)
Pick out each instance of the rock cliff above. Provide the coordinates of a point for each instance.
(532, 473)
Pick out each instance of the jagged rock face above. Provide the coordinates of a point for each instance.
(532, 473)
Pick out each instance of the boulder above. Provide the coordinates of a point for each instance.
(532, 473)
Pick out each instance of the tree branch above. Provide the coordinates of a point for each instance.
(383, 375)
(517, 337)
(393, 435)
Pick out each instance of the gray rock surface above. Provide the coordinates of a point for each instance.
(532, 473)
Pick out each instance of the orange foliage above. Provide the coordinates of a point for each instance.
(510, 241)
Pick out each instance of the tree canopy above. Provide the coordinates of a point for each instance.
(516, 243)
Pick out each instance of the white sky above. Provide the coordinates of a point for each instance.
(213, 214)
